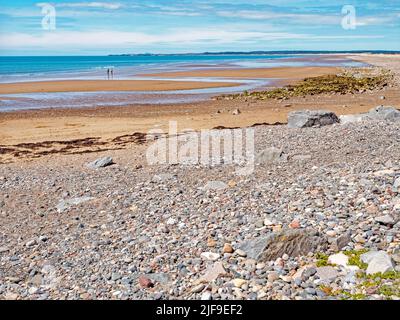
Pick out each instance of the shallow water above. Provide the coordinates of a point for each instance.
(12, 102)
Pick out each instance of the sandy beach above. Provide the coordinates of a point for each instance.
(107, 123)
(292, 73)
(284, 75)
(105, 85)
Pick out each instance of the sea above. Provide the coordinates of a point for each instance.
(126, 67)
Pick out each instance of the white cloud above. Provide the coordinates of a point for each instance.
(111, 40)
(100, 5)
(367, 21)
(305, 18)
(293, 17)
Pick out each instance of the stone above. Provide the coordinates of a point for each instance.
(331, 233)
(303, 273)
(36, 280)
(273, 276)
(161, 277)
(378, 261)
(31, 243)
(3, 249)
(386, 220)
(162, 177)
(43, 238)
(351, 277)
(232, 183)
(396, 255)
(293, 242)
(396, 185)
(287, 279)
(311, 118)
(211, 243)
(199, 288)
(352, 118)
(215, 185)
(339, 259)
(359, 238)
(33, 290)
(241, 253)
(115, 276)
(101, 163)
(268, 222)
(385, 172)
(227, 248)
(302, 157)
(238, 282)
(327, 273)
(213, 272)
(145, 282)
(66, 204)
(236, 112)
(372, 209)
(11, 296)
(206, 295)
(211, 256)
(271, 155)
(294, 224)
(171, 221)
(14, 279)
(386, 113)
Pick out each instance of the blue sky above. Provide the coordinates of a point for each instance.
(161, 26)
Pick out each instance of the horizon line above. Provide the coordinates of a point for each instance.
(215, 53)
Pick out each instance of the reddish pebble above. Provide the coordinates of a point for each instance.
(294, 224)
(145, 282)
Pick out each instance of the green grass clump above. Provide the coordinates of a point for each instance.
(355, 258)
(389, 291)
(341, 84)
(322, 259)
(390, 275)
(354, 296)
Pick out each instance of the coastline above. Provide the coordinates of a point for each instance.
(107, 123)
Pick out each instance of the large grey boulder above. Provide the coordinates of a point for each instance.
(386, 220)
(352, 118)
(378, 261)
(293, 242)
(326, 274)
(101, 163)
(311, 118)
(385, 113)
(381, 113)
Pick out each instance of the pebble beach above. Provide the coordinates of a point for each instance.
(317, 219)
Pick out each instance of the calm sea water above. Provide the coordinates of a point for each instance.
(18, 69)
(31, 66)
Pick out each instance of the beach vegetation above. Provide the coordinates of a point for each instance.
(344, 83)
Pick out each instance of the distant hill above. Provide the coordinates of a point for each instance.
(255, 53)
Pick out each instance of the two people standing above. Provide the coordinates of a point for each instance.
(110, 73)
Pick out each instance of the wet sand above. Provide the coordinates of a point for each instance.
(288, 73)
(107, 85)
(259, 73)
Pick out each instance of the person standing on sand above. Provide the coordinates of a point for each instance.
(112, 74)
(108, 74)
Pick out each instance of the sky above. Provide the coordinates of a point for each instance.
(80, 27)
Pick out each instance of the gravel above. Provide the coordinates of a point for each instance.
(177, 232)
